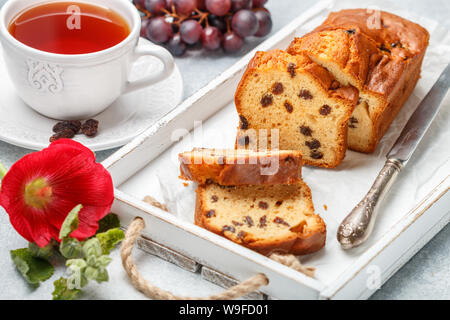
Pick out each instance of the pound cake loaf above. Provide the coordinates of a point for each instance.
(381, 57)
(241, 167)
(293, 103)
(266, 219)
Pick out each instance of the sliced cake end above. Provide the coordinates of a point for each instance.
(290, 102)
(267, 219)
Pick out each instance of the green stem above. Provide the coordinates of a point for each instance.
(3, 171)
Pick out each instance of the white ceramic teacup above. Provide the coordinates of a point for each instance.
(78, 86)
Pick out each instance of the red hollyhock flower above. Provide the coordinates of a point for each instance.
(40, 190)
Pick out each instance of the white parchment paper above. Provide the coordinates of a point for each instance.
(338, 189)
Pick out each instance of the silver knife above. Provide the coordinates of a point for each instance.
(358, 225)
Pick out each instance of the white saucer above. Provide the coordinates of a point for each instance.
(129, 116)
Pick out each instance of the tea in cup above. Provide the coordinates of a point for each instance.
(72, 59)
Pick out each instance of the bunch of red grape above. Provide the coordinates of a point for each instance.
(181, 24)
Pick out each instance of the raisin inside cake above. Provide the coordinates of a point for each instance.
(241, 167)
(263, 218)
(292, 103)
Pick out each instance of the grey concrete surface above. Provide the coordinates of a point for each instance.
(425, 276)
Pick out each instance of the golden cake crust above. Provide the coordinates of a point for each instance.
(388, 29)
(241, 167)
(279, 59)
(350, 49)
(381, 54)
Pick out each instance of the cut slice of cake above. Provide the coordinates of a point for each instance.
(241, 167)
(292, 103)
(267, 219)
(383, 61)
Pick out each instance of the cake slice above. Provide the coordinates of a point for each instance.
(267, 219)
(292, 103)
(241, 167)
(383, 60)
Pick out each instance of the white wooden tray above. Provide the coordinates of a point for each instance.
(416, 209)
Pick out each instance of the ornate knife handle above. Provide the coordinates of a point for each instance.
(358, 225)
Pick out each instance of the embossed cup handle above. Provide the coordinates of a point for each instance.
(358, 225)
(155, 51)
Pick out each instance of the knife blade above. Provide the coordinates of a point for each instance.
(421, 120)
(356, 228)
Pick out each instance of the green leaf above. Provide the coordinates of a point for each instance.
(103, 261)
(111, 221)
(98, 272)
(102, 276)
(75, 264)
(109, 239)
(43, 253)
(33, 269)
(3, 171)
(92, 248)
(70, 248)
(70, 224)
(77, 279)
(91, 273)
(92, 261)
(62, 292)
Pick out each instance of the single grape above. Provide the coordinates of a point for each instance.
(237, 5)
(232, 42)
(190, 31)
(218, 7)
(159, 30)
(139, 3)
(211, 38)
(217, 22)
(259, 3)
(264, 23)
(176, 45)
(144, 25)
(155, 6)
(185, 7)
(244, 23)
(201, 5)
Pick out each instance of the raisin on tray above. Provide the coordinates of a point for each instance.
(73, 125)
(69, 128)
(63, 134)
(90, 127)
